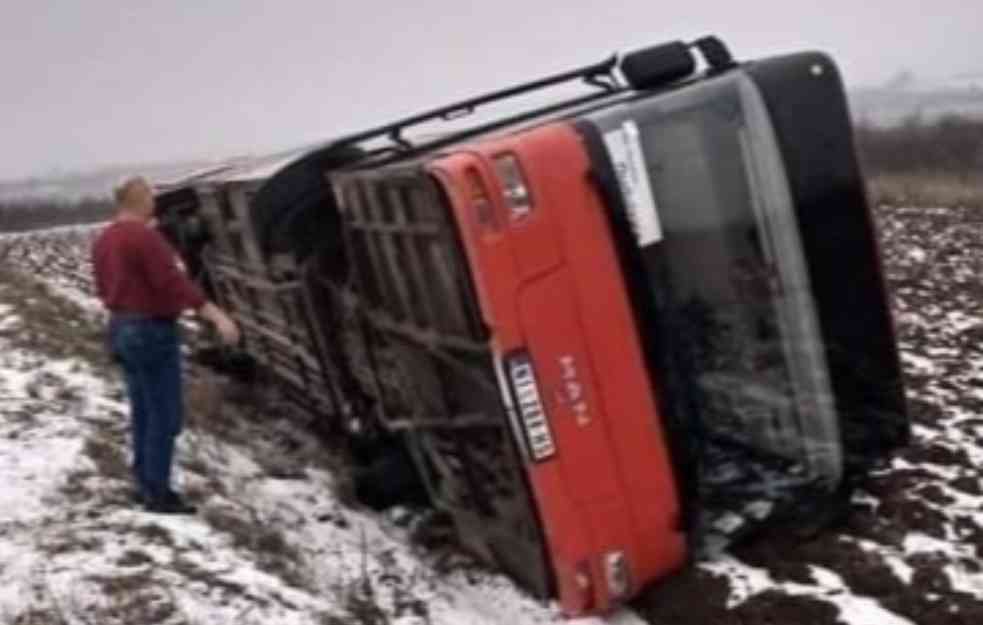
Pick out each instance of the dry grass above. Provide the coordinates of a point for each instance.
(109, 457)
(46, 318)
(202, 402)
(132, 558)
(929, 189)
(262, 541)
(153, 534)
(133, 598)
(36, 616)
(221, 415)
(191, 573)
(67, 542)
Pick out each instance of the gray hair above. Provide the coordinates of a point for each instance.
(127, 194)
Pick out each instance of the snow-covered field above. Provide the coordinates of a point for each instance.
(912, 548)
(277, 540)
(274, 540)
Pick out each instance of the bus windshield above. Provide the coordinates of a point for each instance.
(705, 193)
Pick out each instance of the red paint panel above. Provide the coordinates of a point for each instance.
(551, 284)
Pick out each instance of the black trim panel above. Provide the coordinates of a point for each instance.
(807, 105)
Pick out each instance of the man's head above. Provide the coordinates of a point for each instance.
(135, 199)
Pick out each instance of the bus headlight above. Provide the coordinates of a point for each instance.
(616, 573)
(514, 187)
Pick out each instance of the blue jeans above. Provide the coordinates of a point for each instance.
(149, 351)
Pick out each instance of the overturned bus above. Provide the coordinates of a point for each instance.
(611, 332)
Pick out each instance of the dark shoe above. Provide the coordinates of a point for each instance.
(170, 504)
(139, 498)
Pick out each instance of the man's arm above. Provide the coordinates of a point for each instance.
(224, 324)
(165, 276)
(167, 279)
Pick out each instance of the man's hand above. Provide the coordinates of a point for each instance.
(227, 329)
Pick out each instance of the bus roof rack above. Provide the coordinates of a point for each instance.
(644, 69)
(598, 75)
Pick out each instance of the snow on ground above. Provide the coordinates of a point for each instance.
(912, 548)
(748, 581)
(274, 541)
(60, 256)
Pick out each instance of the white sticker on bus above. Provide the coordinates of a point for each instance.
(624, 147)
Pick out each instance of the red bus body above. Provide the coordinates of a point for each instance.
(549, 284)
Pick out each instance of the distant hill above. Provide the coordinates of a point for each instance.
(95, 184)
(905, 96)
(99, 183)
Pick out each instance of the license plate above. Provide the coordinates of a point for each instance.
(530, 406)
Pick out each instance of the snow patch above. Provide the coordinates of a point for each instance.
(747, 581)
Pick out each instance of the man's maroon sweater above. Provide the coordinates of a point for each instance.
(138, 272)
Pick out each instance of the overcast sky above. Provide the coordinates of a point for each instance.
(87, 83)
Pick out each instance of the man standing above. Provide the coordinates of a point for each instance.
(140, 281)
